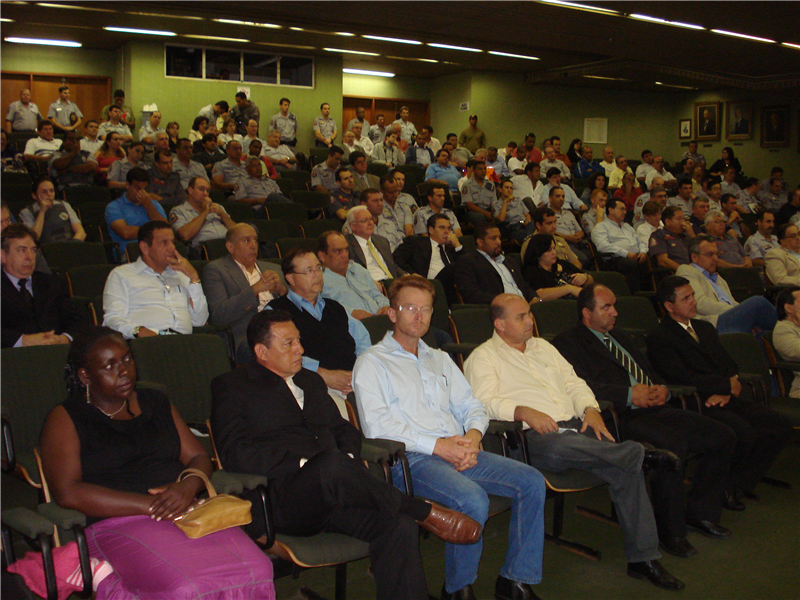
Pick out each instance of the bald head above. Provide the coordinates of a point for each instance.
(512, 320)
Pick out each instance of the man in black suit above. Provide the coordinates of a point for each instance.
(273, 417)
(483, 274)
(35, 307)
(687, 351)
(428, 256)
(611, 363)
(740, 124)
(367, 249)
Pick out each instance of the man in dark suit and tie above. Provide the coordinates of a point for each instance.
(687, 351)
(238, 286)
(35, 307)
(709, 125)
(273, 417)
(485, 273)
(616, 370)
(367, 249)
(741, 126)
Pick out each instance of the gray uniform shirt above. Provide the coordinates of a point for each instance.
(63, 112)
(326, 128)
(286, 125)
(23, 118)
(483, 196)
(212, 229)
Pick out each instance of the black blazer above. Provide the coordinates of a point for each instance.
(479, 282)
(52, 309)
(381, 245)
(259, 427)
(414, 255)
(681, 360)
(594, 363)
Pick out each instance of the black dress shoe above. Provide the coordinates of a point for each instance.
(658, 576)
(731, 502)
(661, 460)
(506, 589)
(677, 547)
(709, 529)
(464, 593)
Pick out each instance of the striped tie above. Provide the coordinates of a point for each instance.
(627, 362)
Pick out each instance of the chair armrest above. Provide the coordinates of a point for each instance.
(27, 522)
(64, 518)
(376, 450)
(750, 378)
(788, 365)
(247, 481)
(10, 462)
(681, 390)
(500, 427)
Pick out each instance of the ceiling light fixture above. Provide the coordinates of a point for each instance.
(680, 87)
(164, 16)
(296, 28)
(391, 39)
(664, 21)
(142, 31)
(796, 46)
(428, 60)
(449, 47)
(345, 33)
(370, 73)
(351, 51)
(4, 20)
(596, 9)
(43, 42)
(216, 38)
(605, 78)
(743, 36)
(248, 23)
(513, 55)
(52, 5)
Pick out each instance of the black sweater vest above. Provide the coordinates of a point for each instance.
(328, 341)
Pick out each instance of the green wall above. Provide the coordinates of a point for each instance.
(405, 88)
(181, 99)
(71, 61)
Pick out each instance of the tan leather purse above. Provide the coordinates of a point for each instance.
(215, 513)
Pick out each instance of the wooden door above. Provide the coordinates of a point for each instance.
(11, 84)
(91, 94)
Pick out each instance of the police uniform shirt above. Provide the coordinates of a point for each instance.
(65, 113)
(676, 247)
(757, 245)
(212, 229)
(325, 127)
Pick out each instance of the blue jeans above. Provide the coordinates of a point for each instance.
(468, 492)
(753, 312)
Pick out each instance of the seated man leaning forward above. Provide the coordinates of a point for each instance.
(409, 392)
(125, 215)
(159, 294)
(522, 378)
(238, 286)
(199, 219)
(255, 189)
(273, 417)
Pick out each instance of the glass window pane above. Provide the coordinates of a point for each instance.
(184, 62)
(222, 64)
(260, 68)
(297, 70)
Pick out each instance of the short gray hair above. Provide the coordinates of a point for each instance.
(352, 213)
(713, 214)
(694, 244)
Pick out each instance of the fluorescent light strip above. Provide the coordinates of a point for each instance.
(216, 38)
(345, 33)
(513, 55)
(142, 31)
(249, 23)
(42, 42)
(164, 16)
(4, 20)
(296, 47)
(680, 87)
(296, 28)
(391, 39)
(743, 36)
(428, 60)
(351, 51)
(448, 47)
(370, 73)
(605, 78)
(664, 21)
(607, 11)
(796, 46)
(50, 5)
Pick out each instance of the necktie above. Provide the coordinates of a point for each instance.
(24, 293)
(443, 254)
(378, 259)
(627, 362)
(693, 334)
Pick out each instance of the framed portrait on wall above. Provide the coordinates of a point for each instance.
(707, 118)
(738, 120)
(684, 129)
(774, 126)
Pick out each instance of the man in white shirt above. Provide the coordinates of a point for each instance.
(528, 187)
(283, 159)
(615, 237)
(89, 141)
(41, 148)
(608, 160)
(159, 294)
(643, 169)
(551, 162)
(658, 170)
(361, 139)
(615, 179)
(522, 378)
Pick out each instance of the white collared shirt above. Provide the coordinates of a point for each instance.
(253, 278)
(373, 267)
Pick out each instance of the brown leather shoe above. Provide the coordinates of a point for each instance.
(451, 526)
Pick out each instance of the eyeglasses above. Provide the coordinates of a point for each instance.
(362, 221)
(309, 271)
(413, 309)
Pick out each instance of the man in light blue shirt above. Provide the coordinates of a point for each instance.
(346, 281)
(125, 215)
(409, 392)
(571, 199)
(614, 237)
(498, 163)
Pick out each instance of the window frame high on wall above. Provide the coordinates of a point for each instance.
(241, 53)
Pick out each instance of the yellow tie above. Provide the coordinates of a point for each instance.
(378, 259)
(693, 334)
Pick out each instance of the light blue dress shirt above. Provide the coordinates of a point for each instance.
(354, 327)
(355, 291)
(414, 399)
(722, 295)
(448, 174)
(608, 236)
(509, 285)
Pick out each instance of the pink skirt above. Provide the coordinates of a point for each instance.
(155, 560)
